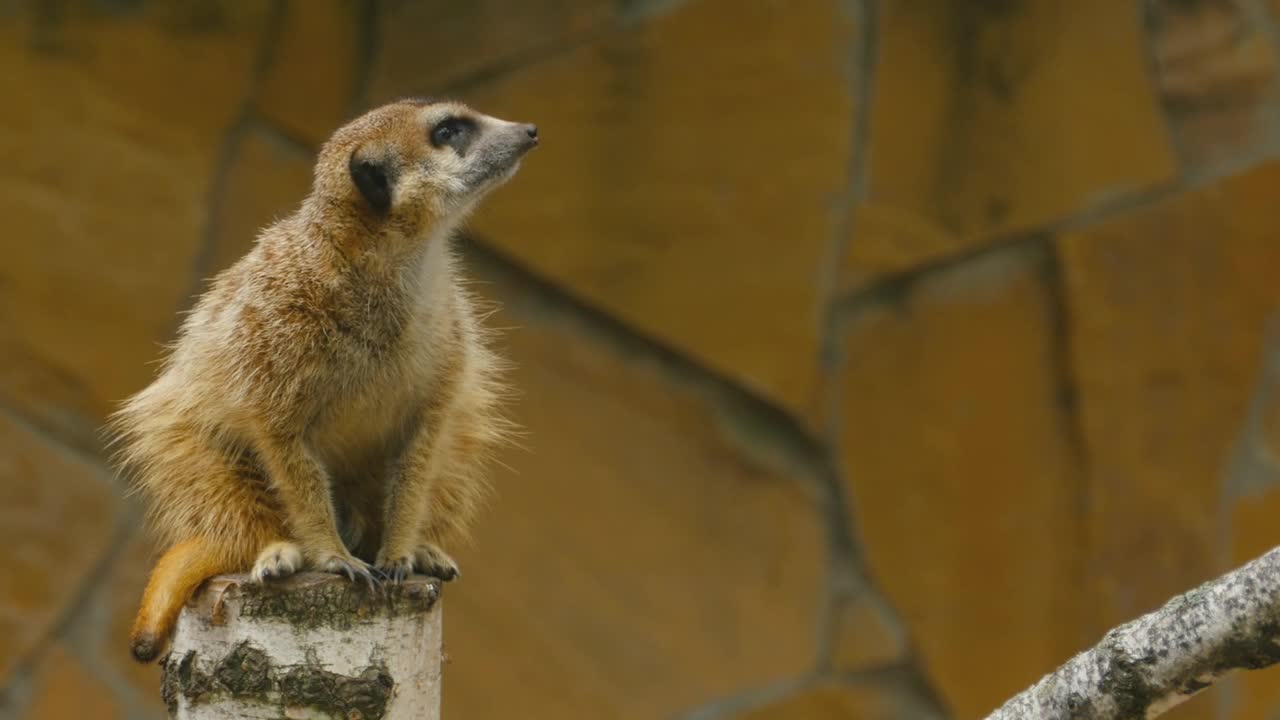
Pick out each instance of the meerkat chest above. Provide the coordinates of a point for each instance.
(371, 420)
(361, 433)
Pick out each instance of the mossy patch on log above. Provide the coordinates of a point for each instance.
(248, 675)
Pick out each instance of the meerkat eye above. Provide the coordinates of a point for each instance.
(449, 130)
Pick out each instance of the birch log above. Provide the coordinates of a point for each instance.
(1147, 666)
(312, 647)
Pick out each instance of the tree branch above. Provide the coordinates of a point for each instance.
(1145, 667)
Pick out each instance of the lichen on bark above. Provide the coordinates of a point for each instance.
(248, 674)
(364, 696)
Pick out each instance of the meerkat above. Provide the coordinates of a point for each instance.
(331, 399)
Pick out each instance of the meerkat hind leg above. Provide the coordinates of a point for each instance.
(276, 561)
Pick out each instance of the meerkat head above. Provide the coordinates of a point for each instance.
(415, 163)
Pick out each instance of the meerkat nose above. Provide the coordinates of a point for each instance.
(532, 132)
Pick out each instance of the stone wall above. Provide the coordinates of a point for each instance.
(875, 356)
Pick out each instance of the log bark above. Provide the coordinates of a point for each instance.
(1147, 666)
(313, 646)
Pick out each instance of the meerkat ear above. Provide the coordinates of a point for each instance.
(372, 178)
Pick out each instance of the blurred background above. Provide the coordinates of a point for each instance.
(875, 356)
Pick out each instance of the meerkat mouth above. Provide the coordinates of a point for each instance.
(495, 176)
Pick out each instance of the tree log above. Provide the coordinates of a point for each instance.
(312, 646)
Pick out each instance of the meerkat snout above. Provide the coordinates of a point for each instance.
(501, 146)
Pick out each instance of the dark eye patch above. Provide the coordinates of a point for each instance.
(455, 132)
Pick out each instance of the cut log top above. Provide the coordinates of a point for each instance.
(317, 600)
(311, 646)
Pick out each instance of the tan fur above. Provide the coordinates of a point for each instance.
(330, 401)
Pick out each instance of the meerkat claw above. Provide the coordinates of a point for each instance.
(396, 571)
(365, 576)
(445, 573)
(354, 569)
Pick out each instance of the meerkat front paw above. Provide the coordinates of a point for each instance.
(428, 559)
(435, 562)
(346, 564)
(277, 560)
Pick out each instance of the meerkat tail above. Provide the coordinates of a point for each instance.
(176, 576)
